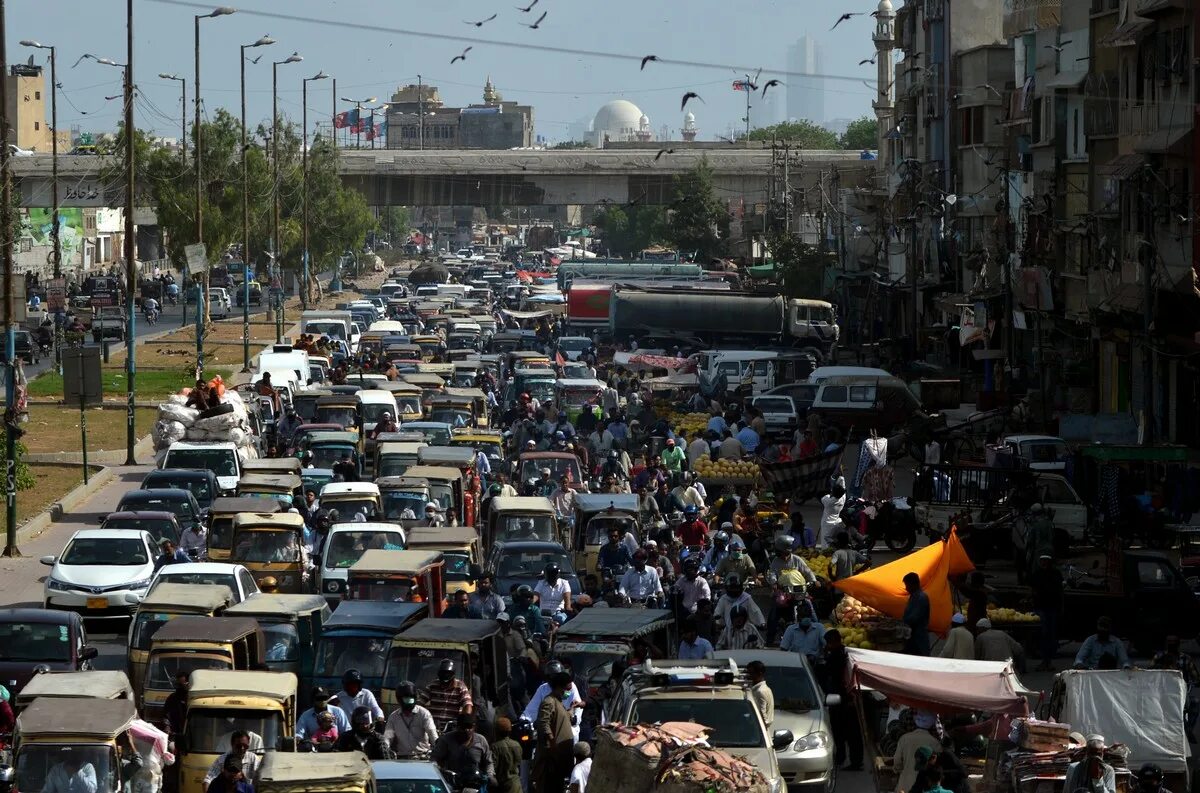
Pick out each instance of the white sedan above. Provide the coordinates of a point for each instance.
(235, 576)
(101, 572)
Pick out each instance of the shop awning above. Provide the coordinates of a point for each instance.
(1127, 33)
(1072, 79)
(1162, 141)
(1123, 167)
(940, 685)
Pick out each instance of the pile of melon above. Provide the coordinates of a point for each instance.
(727, 469)
(867, 628)
(1005, 615)
(691, 423)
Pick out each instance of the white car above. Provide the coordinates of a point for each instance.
(101, 572)
(219, 304)
(779, 413)
(239, 580)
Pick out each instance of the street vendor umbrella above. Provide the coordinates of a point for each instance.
(429, 274)
(882, 588)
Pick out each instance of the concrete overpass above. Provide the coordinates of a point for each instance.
(393, 177)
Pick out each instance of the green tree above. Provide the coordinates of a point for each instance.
(802, 134)
(801, 267)
(698, 222)
(861, 134)
(627, 231)
(394, 222)
(571, 144)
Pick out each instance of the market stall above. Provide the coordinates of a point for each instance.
(885, 683)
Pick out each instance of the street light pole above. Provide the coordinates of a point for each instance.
(295, 57)
(358, 103)
(54, 228)
(130, 240)
(262, 42)
(183, 114)
(420, 114)
(10, 328)
(305, 292)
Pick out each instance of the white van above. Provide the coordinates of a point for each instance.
(822, 373)
(220, 457)
(296, 361)
(372, 404)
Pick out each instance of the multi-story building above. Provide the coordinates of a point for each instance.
(28, 110)
(805, 94)
(417, 118)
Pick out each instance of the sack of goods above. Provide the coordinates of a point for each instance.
(673, 757)
(225, 422)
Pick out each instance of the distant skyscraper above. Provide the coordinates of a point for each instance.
(805, 95)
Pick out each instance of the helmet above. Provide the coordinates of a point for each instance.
(721, 536)
(445, 672)
(361, 716)
(733, 581)
(552, 570)
(523, 591)
(1150, 773)
(691, 510)
(783, 544)
(691, 565)
(406, 690)
(352, 676)
(553, 668)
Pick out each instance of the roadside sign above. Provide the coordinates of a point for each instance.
(56, 294)
(197, 257)
(81, 376)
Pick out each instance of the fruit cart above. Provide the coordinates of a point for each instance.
(731, 473)
(868, 629)
(1021, 625)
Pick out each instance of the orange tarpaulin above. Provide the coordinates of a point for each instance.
(882, 588)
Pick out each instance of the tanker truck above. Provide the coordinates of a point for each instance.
(710, 319)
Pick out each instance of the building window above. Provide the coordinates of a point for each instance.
(37, 125)
(1078, 133)
(37, 95)
(971, 126)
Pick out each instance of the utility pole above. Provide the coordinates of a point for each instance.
(262, 42)
(130, 240)
(278, 258)
(420, 115)
(10, 328)
(1148, 253)
(305, 292)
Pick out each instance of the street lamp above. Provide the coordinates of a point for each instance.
(54, 230)
(372, 134)
(293, 58)
(304, 295)
(199, 156)
(358, 103)
(183, 115)
(262, 42)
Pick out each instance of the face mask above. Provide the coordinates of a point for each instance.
(408, 704)
(736, 554)
(566, 695)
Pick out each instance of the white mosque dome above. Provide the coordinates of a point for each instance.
(885, 6)
(617, 118)
(690, 118)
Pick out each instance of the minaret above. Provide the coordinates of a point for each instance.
(644, 133)
(689, 127)
(885, 32)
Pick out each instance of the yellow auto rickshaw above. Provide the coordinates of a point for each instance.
(186, 644)
(521, 518)
(272, 546)
(270, 486)
(408, 576)
(220, 523)
(271, 465)
(164, 603)
(393, 458)
(408, 400)
(596, 515)
(88, 684)
(459, 546)
(221, 701)
(322, 772)
(291, 626)
(60, 740)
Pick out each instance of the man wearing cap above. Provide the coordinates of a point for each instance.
(673, 457)
(993, 644)
(904, 761)
(386, 424)
(433, 516)
(1091, 773)
(1102, 650)
(959, 641)
(306, 725)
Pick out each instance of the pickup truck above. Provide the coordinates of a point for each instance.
(1155, 600)
(944, 491)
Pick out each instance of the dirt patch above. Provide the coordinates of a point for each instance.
(54, 429)
(53, 482)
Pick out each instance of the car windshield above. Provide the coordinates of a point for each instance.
(420, 665)
(525, 527)
(34, 641)
(145, 625)
(372, 413)
(774, 404)
(260, 547)
(347, 547)
(541, 390)
(574, 345)
(223, 579)
(342, 416)
(395, 502)
(209, 730)
(282, 641)
(455, 417)
(559, 466)
(77, 767)
(347, 508)
(222, 462)
(458, 565)
(180, 507)
(117, 551)
(409, 404)
(437, 436)
(599, 527)
(733, 722)
(336, 654)
(411, 786)
(159, 528)
(594, 668)
(325, 455)
(530, 564)
(793, 688)
(200, 488)
(165, 667)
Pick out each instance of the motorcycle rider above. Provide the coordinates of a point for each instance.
(693, 532)
(553, 591)
(150, 309)
(736, 563)
(719, 550)
(615, 554)
(409, 732)
(736, 596)
(692, 586)
(641, 583)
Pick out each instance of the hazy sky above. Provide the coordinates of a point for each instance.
(373, 46)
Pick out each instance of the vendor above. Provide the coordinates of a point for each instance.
(1091, 773)
(904, 761)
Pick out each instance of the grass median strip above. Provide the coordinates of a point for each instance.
(53, 429)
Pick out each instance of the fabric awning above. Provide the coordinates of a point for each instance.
(941, 685)
(1127, 33)
(1067, 79)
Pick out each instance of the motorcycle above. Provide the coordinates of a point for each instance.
(886, 520)
(151, 315)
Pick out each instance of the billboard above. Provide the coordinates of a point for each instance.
(70, 229)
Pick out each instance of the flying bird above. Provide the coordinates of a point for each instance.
(481, 22)
(528, 8)
(534, 26)
(256, 60)
(769, 84)
(1058, 47)
(690, 95)
(661, 152)
(870, 60)
(462, 57)
(646, 60)
(845, 17)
